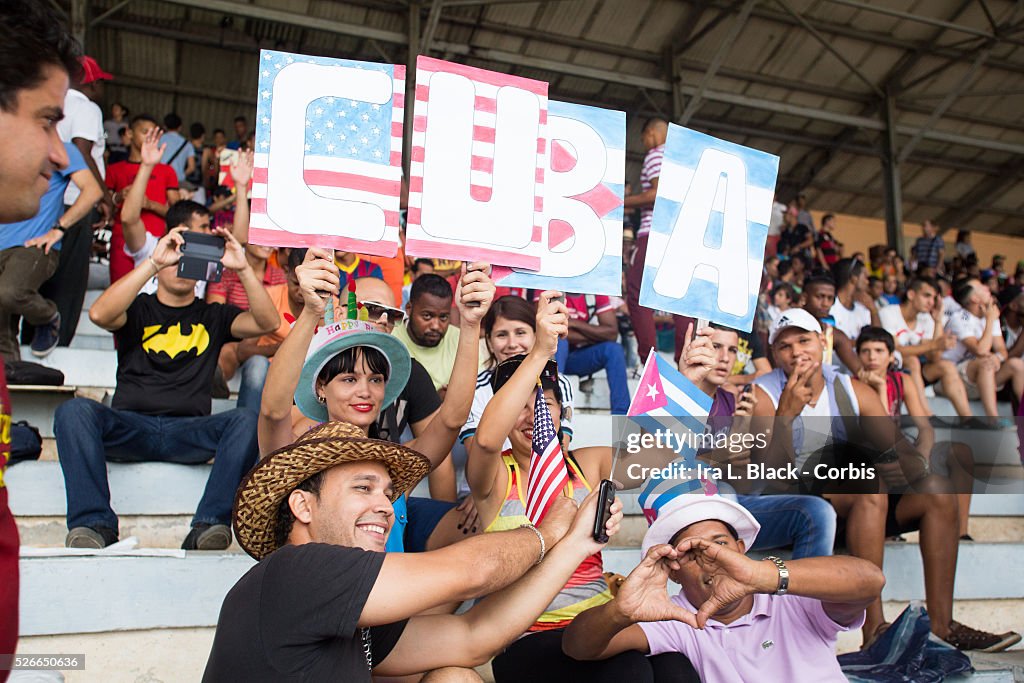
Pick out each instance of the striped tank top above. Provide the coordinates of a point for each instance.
(586, 587)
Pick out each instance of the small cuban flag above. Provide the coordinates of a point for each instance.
(667, 400)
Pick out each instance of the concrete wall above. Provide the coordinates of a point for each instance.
(858, 234)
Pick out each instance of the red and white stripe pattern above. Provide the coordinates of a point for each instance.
(548, 473)
(487, 84)
(358, 177)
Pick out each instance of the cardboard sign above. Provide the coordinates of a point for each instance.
(477, 171)
(583, 193)
(328, 163)
(706, 246)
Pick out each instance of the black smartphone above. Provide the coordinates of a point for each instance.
(605, 498)
(748, 388)
(200, 257)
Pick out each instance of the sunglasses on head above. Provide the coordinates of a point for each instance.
(375, 310)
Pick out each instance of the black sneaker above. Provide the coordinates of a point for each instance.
(47, 337)
(966, 638)
(95, 538)
(208, 537)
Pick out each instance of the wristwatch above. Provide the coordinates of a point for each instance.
(58, 226)
(783, 575)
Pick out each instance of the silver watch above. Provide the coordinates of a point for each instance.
(783, 574)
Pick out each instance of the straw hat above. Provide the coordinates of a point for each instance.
(319, 449)
(331, 340)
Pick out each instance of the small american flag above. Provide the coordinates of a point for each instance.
(352, 150)
(548, 474)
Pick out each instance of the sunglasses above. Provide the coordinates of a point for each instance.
(375, 310)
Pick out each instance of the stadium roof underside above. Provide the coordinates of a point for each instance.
(925, 97)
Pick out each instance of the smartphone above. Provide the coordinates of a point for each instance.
(748, 388)
(200, 257)
(605, 498)
(560, 298)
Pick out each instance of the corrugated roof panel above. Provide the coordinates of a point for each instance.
(568, 17)
(515, 14)
(146, 57)
(616, 21)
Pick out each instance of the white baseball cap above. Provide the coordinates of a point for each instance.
(794, 317)
(689, 509)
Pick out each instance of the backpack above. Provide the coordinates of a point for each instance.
(27, 372)
(26, 442)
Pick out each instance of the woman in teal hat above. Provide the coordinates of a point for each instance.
(351, 371)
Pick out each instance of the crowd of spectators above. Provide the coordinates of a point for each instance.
(857, 340)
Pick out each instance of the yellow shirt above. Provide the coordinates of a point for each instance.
(438, 360)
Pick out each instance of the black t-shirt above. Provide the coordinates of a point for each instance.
(417, 401)
(166, 356)
(295, 615)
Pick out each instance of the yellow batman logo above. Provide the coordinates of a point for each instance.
(173, 341)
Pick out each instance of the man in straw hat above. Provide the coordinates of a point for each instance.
(326, 603)
(736, 619)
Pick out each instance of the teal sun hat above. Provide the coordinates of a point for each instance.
(329, 341)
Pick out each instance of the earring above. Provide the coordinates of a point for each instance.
(321, 398)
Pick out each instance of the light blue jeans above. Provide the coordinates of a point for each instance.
(808, 523)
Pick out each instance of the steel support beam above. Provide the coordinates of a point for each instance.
(891, 173)
(410, 84)
(825, 43)
(947, 101)
(80, 20)
(709, 74)
(113, 10)
(931, 21)
(981, 196)
(433, 18)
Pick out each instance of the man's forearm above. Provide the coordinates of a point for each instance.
(116, 299)
(507, 614)
(87, 198)
(240, 224)
(836, 579)
(592, 631)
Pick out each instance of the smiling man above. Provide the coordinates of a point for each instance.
(37, 54)
(326, 603)
(736, 619)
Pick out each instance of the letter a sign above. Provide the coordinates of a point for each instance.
(706, 246)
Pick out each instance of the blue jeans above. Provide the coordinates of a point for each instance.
(253, 375)
(808, 523)
(587, 360)
(89, 433)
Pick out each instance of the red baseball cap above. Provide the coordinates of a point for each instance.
(91, 71)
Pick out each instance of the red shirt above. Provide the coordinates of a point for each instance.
(230, 286)
(120, 176)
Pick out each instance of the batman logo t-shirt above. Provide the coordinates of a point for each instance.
(166, 356)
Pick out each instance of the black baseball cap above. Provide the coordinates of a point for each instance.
(508, 367)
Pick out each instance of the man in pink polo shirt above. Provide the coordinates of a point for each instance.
(736, 619)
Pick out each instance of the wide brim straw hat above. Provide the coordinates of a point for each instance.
(321, 448)
(329, 341)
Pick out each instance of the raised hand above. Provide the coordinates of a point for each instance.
(168, 249)
(475, 286)
(152, 150)
(798, 392)
(234, 254)
(698, 357)
(318, 279)
(643, 596)
(552, 323)
(241, 170)
(732, 575)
